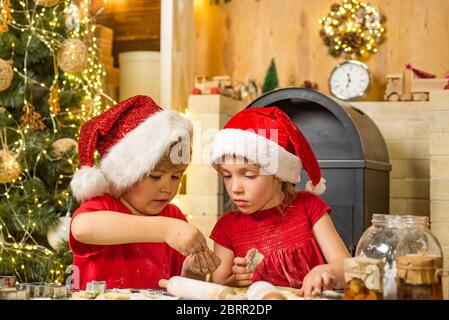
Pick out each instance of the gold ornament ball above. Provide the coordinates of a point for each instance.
(72, 56)
(60, 233)
(6, 75)
(47, 3)
(9, 167)
(61, 146)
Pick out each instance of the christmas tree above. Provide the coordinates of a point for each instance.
(50, 83)
(271, 81)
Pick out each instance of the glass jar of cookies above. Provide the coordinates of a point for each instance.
(392, 236)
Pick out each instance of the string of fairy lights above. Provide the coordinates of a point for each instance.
(89, 80)
(352, 28)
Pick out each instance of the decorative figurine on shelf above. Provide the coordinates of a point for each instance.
(413, 85)
(271, 81)
(206, 86)
(196, 91)
(215, 90)
(253, 89)
(420, 73)
(310, 85)
(249, 91)
(223, 85)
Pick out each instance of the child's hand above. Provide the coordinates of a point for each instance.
(319, 278)
(243, 277)
(184, 238)
(202, 263)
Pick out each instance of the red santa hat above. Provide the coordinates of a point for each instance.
(269, 138)
(131, 138)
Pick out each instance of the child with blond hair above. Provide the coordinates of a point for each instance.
(125, 231)
(260, 154)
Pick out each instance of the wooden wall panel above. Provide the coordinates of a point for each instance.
(136, 23)
(241, 37)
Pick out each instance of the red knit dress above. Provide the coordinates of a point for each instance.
(285, 239)
(130, 265)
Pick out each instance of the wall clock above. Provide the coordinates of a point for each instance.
(350, 80)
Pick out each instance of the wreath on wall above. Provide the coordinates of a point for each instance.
(352, 29)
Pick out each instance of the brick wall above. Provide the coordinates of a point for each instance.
(439, 170)
(203, 201)
(405, 128)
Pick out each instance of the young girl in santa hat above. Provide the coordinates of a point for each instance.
(126, 232)
(260, 153)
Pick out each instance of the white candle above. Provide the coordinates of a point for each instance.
(140, 74)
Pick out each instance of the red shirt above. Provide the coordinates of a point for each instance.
(132, 265)
(285, 239)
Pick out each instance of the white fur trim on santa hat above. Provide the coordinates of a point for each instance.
(258, 149)
(317, 190)
(88, 182)
(141, 149)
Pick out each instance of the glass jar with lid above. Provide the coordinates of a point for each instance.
(392, 236)
(417, 239)
(418, 278)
